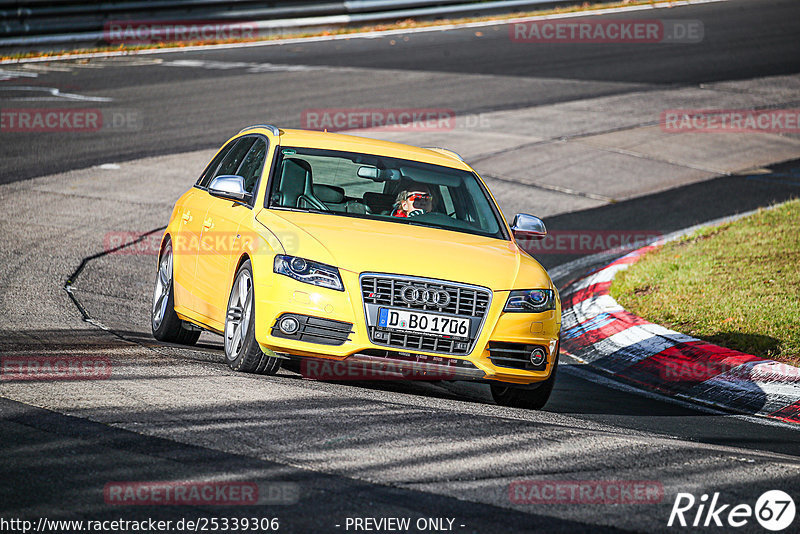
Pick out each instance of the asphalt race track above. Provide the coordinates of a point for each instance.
(585, 115)
(455, 69)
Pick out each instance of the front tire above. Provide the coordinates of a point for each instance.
(532, 399)
(242, 352)
(164, 322)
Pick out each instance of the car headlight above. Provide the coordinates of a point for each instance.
(309, 272)
(531, 301)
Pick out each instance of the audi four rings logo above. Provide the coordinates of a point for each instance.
(421, 295)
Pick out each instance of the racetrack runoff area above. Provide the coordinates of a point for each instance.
(594, 163)
(186, 396)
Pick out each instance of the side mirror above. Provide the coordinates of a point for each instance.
(229, 186)
(528, 227)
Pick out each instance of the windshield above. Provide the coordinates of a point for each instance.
(383, 188)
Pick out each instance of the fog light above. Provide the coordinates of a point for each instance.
(538, 356)
(289, 325)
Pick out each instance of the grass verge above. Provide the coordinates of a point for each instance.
(345, 30)
(735, 285)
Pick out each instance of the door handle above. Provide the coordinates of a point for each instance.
(187, 216)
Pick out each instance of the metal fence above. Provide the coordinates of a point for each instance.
(39, 22)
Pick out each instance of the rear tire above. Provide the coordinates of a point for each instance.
(242, 352)
(164, 322)
(532, 399)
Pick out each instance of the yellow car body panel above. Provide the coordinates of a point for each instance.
(189, 215)
(220, 245)
(356, 246)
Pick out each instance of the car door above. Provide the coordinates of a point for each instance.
(186, 242)
(221, 239)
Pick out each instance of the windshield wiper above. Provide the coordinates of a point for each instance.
(302, 210)
(460, 229)
(431, 225)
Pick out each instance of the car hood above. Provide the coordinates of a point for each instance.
(369, 245)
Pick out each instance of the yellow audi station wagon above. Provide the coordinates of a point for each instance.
(316, 249)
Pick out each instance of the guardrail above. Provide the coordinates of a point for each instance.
(38, 22)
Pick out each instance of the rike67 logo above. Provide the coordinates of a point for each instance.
(774, 510)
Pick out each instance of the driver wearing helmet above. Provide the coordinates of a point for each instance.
(412, 203)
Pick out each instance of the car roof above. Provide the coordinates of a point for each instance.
(366, 145)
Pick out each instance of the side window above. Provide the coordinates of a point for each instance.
(253, 163)
(210, 171)
(448, 201)
(235, 157)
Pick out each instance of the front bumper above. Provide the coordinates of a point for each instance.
(346, 311)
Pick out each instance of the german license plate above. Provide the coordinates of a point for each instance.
(423, 323)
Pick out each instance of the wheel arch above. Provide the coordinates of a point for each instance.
(245, 256)
(167, 237)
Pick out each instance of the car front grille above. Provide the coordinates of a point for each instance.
(384, 291)
(463, 300)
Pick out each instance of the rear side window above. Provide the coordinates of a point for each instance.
(252, 164)
(211, 170)
(447, 200)
(229, 160)
(230, 165)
